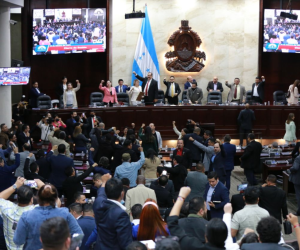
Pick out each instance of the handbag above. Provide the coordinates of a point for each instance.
(287, 226)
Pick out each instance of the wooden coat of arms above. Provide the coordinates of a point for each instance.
(185, 57)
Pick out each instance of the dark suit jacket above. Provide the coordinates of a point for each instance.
(251, 157)
(230, 150)
(89, 123)
(70, 126)
(124, 87)
(196, 153)
(72, 184)
(22, 139)
(163, 196)
(177, 88)
(33, 96)
(210, 85)
(6, 177)
(295, 152)
(153, 89)
(220, 194)
(273, 200)
(45, 167)
(194, 226)
(29, 175)
(237, 202)
(187, 157)
(169, 187)
(87, 225)
(218, 165)
(262, 246)
(58, 165)
(187, 85)
(177, 175)
(59, 90)
(114, 227)
(245, 119)
(260, 90)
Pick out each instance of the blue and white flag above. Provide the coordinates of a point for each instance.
(145, 58)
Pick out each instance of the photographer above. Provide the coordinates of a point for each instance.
(46, 128)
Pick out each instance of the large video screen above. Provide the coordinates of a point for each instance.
(66, 31)
(14, 76)
(281, 34)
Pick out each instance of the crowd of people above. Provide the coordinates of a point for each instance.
(137, 196)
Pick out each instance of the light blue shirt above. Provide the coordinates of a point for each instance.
(130, 170)
(209, 195)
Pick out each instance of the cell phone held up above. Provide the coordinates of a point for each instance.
(31, 184)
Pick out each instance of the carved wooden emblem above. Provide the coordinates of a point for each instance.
(185, 57)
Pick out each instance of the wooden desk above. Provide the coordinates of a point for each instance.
(270, 169)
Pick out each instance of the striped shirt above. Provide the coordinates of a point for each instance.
(11, 213)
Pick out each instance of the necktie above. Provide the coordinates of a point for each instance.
(172, 90)
(146, 90)
(120, 90)
(235, 92)
(93, 122)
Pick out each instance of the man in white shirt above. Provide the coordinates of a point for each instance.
(61, 41)
(292, 40)
(258, 90)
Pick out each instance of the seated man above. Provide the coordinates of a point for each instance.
(130, 169)
(164, 196)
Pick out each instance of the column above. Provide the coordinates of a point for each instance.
(5, 61)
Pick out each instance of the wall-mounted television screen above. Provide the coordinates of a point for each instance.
(14, 76)
(66, 31)
(281, 34)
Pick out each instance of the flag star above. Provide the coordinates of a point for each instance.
(148, 70)
(140, 58)
(144, 53)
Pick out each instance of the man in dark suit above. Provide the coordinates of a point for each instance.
(163, 196)
(237, 202)
(24, 137)
(173, 91)
(59, 164)
(114, 227)
(214, 85)
(60, 87)
(273, 199)
(194, 94)
(184, 152)
(92, 120)
(250, 160)
(216, 196)
(177, 173)
(71, 123)
(295, 152)
(169, 186)
(34, 170)
(195, 224)
(121, 88)
(149, 87)
(258, 90)
(189, 82)
(230, 150)
(217, 162)
(34, 94)
(245, 119)
(196, 153)
(87, 223)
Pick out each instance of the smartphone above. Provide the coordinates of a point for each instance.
(164, 172)
(83, 114)
(216, 201)
(242, 187)
(76, 241)
(31, 184)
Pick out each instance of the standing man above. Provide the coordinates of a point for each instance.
(245, 119)
(295, 179)
(216, 196)
(157, 136)
(149, 87)
(273, 199)
(184, 152)
(258, 89)
(189, 82)
(173, 91)
(230, 150)
(194, 94)
(34, 94)
(250, 160)
(196, 153)
(4, 135)
(214, 85)
(122, 88)
(237, 92)
(217, 162)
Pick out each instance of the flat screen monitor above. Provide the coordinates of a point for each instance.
(68, 31)
(14, 76)
(281, 35)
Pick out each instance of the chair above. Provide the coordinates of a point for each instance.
(54, 102)
(123, 97)
(279, 96)
(248, 96)
(214, 96)
(161, 96)
(96, 97)
(184, 96)
(44, 102)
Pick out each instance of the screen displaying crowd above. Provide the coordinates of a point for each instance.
(65, 31)
(14, 76)
(281, 34)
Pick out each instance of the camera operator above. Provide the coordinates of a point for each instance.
(46, 127)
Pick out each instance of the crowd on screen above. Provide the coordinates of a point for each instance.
(135, 195)
(57, 33)
(282, 33)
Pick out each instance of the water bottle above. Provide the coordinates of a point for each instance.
(62, 200)
(166, 148)
(87, 154)
(82, 155)
(274, 103)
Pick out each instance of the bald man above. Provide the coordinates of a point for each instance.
(214, 85)
(189, 82)
(139, 194)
